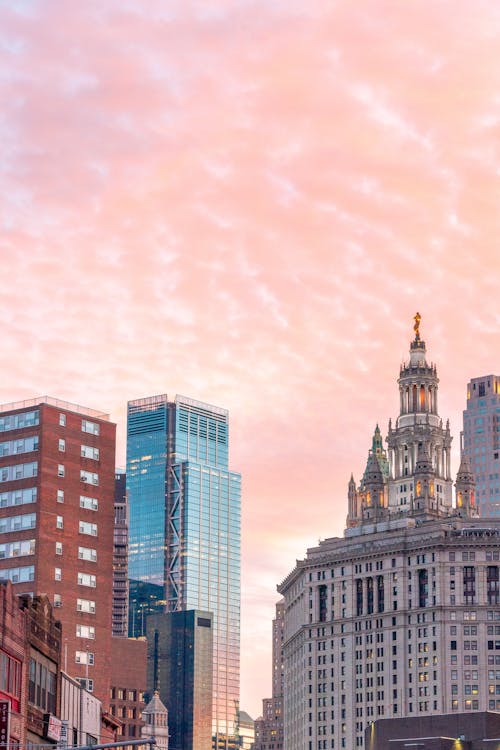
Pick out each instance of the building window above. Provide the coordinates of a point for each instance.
(17, 523)
(84, 657)
(62, 420)
(62, 444)
(60, 470)
(42, 686)
(87, 451)
(86, 553)
(59, 522)
(60, 496)
(85, 605)
(18, 575)
(17, 549)
(90, 427)
(57, 574)
(87, 528)
(89, 477)
(59, 548)
(89, 503)
(85, 631)
(18, 497)
(57, 600)
(86, 579)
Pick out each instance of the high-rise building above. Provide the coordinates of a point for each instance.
(269, 726)
(120, 558)
(180, 658)
(399, 616)
(184, 540)
(56, 523)
(481, 441)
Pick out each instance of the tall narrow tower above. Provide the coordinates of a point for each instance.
(419, 446)
(184, 545)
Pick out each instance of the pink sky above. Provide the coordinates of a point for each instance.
(246, 202)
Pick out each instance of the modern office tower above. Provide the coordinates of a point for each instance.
(400, 616)
(481, 441)
(184, 539)
(56, 523)
(269, 727)
(120, 558)
(180, 659)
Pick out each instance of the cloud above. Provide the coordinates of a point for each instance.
(247, 202)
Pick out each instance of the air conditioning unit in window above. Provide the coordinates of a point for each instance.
(58, 603)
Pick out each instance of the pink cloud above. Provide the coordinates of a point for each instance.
(246, 203)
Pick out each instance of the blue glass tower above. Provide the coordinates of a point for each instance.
(184, 539)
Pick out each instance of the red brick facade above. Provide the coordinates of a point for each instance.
(72, 530)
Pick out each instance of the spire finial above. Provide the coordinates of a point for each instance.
(417, 318)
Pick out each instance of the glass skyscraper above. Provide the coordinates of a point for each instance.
(481, 441)
(184, 539)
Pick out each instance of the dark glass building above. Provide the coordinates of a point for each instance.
(184, 538)
(180, 657)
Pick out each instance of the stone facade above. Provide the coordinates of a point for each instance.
(400, 617)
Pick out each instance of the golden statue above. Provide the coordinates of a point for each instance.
(416, 328)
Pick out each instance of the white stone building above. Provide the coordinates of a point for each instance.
(401, 616)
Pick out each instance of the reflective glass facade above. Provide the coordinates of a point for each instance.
(185, 529)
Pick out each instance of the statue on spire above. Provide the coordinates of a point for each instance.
(417, 318)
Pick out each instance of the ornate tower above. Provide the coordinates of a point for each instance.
(465, 490)
(369, 503)
(419, 446)
(353, 514)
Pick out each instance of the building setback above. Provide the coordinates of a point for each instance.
(56, 523)
(400, 617)
(481, 441)
(184, 540)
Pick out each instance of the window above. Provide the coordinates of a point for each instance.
(60, 496)
(90, 503)
(85, 631)
(89, 477)
(62, 420)
(86, 553)
(17, 549)
(57, 600)
(62, 444)
(91, 427)
(60, 470)
(42, 686)
(17, 523)
(59, 548)
(21, 445)
(19, 471)
(16, 421)
(85, 605)
(87, 528)
(57, 574)
(17, 497)
(59, 522)
(18, 575)
(86, 579)
(87, 451)
(84, 657)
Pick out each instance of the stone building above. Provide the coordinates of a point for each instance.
(400, 616)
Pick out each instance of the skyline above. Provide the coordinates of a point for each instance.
(247, 205)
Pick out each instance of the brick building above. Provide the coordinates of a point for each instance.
(57, 482)
(128, 684)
